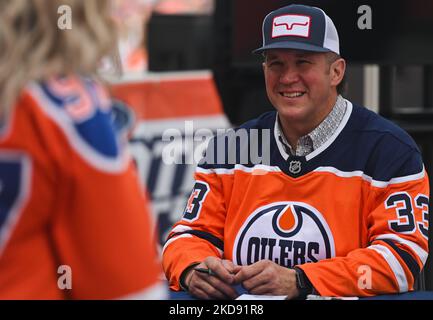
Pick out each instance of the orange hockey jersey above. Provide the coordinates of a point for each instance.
(353, 214)
(74, 222)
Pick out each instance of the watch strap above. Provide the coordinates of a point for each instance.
(303, 284)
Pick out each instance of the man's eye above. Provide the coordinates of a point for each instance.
(275, 63)
(303, 61)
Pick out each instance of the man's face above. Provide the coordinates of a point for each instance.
(301, 85)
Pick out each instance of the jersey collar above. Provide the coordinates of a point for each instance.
(321, 137)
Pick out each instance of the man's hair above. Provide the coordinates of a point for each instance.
(33, 47)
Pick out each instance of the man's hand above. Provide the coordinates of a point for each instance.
(216, 286)
(268, 278)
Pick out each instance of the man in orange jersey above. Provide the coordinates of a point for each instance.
(74, 222)
(338, 203)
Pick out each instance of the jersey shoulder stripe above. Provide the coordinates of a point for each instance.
(83, 112)
(365, 143)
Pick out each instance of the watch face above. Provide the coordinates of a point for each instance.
(301, 281)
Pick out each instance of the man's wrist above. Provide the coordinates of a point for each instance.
(303, 284)
(183, 276)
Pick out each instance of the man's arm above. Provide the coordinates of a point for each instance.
(199, 234)
(397, 249)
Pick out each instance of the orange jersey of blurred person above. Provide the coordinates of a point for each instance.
(74, 222)
(353, 214)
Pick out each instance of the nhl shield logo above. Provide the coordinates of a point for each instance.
(295, 166)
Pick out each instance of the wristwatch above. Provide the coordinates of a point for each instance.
(303, 283)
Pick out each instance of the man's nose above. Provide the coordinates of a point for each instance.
(289, 75)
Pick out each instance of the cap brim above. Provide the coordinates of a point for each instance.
(291, 45)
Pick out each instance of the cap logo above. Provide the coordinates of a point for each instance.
(291, 25)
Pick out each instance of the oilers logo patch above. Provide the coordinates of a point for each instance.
(287, 233)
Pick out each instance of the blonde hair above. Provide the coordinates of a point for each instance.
(33, 47)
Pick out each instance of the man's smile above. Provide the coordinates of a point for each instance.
(292, 94)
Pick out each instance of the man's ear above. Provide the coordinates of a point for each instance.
(338, 68)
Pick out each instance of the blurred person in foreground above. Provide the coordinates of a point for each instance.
(74, 221)
(340, 207)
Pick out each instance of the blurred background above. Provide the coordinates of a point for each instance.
(190, 60)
